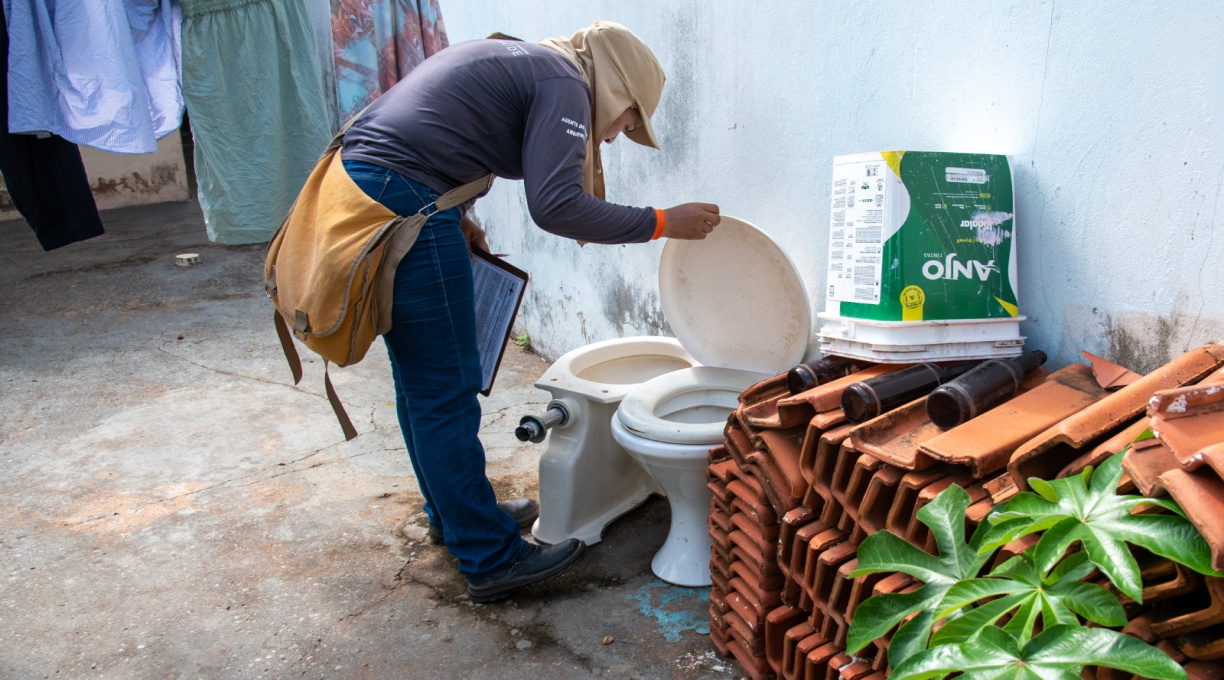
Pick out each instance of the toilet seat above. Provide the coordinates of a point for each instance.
(688, 406)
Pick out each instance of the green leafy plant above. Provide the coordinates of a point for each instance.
(1023, 619)
(1059, 652)
(884, 552)
(523, 341)
(1086, 508)
(1016, 586)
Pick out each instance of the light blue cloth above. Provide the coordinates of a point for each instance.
(258, 113)
(103, 73)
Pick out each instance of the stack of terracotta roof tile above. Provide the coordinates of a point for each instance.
(1184, 458)
(797, 488)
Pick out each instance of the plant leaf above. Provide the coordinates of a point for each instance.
(971, 590)
(1059, 652)
(911, 638)
(1088, 510)
(1056, 599)
(1091, 602)
(975, 620)
(884, 552)
(877, 615)
(1075, 567)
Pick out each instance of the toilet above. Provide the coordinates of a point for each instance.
(738, 306)
(644, 411)
(586, 478)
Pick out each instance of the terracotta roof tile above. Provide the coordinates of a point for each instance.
(800, 552)
(766, 535)
(768, 388)
(777, 624)
(1205, 645)
(1108, 374)
(916, 532)
(1145, 462)
(893, 437)
(1050, 451)
(791, 523)
(756, 666)
(1201, 496)
(739, 629)
(718, 638)
(878, 499)
(820, 544)
(792, 638)
(1105, 449)
(718, 454)
(824, 461)
(827, 563)
(784, 448)
(853, 467)
(761, 512)
(1190, 421)
(905, 502)
(835, 664)
(1205, 670)
(986, 443)
(1165, 580)
(758, 581)
(746, 608)
(1191, 612)
(857, 670)
(816, 663)
(824, 398)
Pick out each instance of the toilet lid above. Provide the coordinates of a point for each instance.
(649, 410)
(735, 300)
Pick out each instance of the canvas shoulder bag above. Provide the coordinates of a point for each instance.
(330, 269)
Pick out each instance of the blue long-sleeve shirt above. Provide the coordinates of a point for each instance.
(518, 110)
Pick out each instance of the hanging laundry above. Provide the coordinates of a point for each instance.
(103, 73)
(377, 42)
(45, 177)
(258, 117)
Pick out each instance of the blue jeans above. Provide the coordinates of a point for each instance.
(436, 367)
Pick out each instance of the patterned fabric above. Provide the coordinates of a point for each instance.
(377, 42)
(104, 73)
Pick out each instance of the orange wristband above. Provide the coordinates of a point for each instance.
(660, 222)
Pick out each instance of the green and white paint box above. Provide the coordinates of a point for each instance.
(922, 258)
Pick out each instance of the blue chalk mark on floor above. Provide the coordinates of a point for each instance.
(674, 608)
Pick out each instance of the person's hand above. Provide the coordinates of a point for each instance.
(691, 221)
(475, 235)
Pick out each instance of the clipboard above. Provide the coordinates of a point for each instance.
(499, 288)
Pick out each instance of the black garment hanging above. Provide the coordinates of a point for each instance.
(45, 177)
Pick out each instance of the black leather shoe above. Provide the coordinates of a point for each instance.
(541, 563)
(523, 510)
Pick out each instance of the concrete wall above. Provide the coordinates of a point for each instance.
(1111, 110)
(119, 180)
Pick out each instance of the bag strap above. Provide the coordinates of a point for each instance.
(295, 365)
(350, 432)
(405, 234)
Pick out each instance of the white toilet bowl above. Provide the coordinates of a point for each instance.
(586, 479)
(668, 425)
(740, 314)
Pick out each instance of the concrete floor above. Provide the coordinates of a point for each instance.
(172, 506)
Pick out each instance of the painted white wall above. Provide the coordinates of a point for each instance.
(1113, 112)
